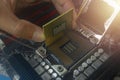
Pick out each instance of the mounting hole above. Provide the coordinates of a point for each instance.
(60, 69)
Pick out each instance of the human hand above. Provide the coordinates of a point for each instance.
(64, 5)
(15, 26)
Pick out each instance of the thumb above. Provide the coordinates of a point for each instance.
(27, 30)
(17, 27)
(21, 28)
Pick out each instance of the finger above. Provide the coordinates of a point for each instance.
(21, 28)
(63, 5)
(27, 30)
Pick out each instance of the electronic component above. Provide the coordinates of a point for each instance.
(66, 54)
(41, 51)
(92, 16)
(55, 29)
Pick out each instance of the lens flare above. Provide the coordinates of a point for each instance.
(107, 24)
(116, 7)
(113, 3)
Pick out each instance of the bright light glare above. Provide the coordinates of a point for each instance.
(112, 3)
(98, 36)
(107, 24)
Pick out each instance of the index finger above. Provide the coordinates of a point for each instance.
(63, 5)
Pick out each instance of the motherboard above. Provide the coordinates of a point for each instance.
(80, 54)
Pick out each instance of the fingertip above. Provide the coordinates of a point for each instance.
(27, 30)
(38, 35)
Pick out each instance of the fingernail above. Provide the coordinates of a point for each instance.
(38, 36)
(42, 36)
